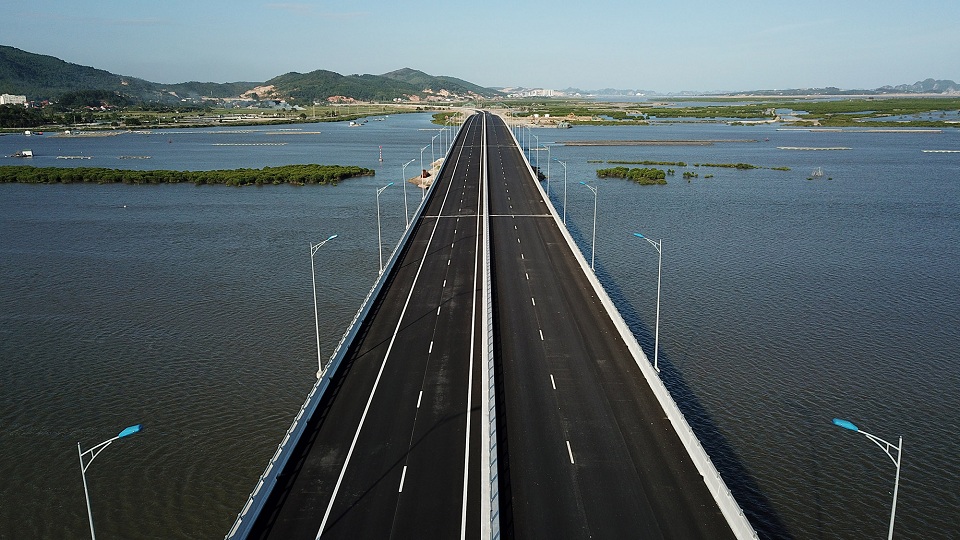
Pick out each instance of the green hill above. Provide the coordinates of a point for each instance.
(428, 82)
(42, 77)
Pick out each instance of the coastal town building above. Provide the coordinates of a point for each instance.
(10, 99)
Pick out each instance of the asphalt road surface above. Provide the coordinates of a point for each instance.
(584, 448)
(392, 450)
(586, 451)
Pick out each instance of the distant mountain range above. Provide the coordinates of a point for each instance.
(42, 77)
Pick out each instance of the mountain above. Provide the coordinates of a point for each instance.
(927, 86)
(429, 83)
(41, 77)
(45, 77)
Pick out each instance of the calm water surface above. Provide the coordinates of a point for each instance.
(785, 302)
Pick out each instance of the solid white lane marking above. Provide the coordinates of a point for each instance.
(553, 383)
(404, 476)
(383, 365)
(541, 334)
(420, 397)
(569, 451)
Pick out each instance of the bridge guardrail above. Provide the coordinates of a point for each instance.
(258, 497)
(731, 510)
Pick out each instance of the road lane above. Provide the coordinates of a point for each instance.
(589, 450)
(394, 426)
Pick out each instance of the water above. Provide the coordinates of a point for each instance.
(785, 302)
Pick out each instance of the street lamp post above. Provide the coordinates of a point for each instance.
(656, 341)
(94, 452)
(593, 248)
(564, 163)
(379, 235)
(548, 171)
(886, 447)
(433, 157)
(316, 311)
(403, 174)
(538, 152)
(423, 191)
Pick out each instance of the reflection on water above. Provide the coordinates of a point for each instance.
(786, 302)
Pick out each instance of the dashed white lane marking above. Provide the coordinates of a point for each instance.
(404, 476)
(431, 348)
(533, 301)
(569, 451)
(444, 283)
(448, 262)
(553, 383)
(420, 397)
(541, 334)
(521, 256)
(438, 310)
(526, 274)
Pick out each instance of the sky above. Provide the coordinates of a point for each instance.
(683, 45)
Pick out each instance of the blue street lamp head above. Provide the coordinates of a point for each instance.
(638, 235)
(130, 430)
(584, 183)
(388, 185)
(331, 237)
(845, 424)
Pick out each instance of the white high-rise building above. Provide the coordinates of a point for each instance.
(10, 99)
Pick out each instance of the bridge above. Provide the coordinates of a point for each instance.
(488, 388)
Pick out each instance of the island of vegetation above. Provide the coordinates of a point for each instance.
(642, 176)
(287, 174)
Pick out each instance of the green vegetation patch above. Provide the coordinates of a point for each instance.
(648, 162)
(741, 166)
(287, 174)
(642, 176)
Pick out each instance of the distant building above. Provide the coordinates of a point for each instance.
(10, 99)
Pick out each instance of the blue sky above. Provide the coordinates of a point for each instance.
(663, 46)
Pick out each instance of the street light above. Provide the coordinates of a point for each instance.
(423, 191)
(379, 235)
(433, 157)
(403, 174)
(548, 171)
(886, 447)
(316, 311)
(656, 341)
(564, 163)
(538, 152)
(593, 248)
(94, 452)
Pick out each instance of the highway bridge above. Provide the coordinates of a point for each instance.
(488, 388)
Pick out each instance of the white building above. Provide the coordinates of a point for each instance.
(10, 99)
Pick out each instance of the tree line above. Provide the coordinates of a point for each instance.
(287, 174)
